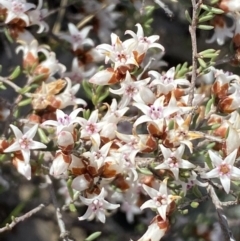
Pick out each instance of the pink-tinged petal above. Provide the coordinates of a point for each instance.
(162, 211)
(85, 31)
(72, 29)
(147, 95)
(180, 150)
(59, 166)
(141, 120)
(150, 191)
(215, 158)
(156, 45)
(140, 32)
(74, 113)
(230, 159)
(225, 180)
(82, 121)
(14, 147)
(31, 132)
(87, 214)
(148, 204)
(50, 123)
(165, 151)
(93, 117)
(101, 216)
(110, 206)
(103, 77)
(163, 187)
(153, 38)
(16, 132)
(26, 155)
(213, 173)
(80, 183)
(162, 166)
(130, 32)
(87, 201)
(186, 164)
(36, 145)
(120, 91)
(60, 114)
(88, 41)
(182, 82)
(235, 172)
(105, 148)
(175, 172)
(96, 138)
(24, 169)
(144, 108)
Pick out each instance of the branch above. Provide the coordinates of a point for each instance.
(192, 30)
(221, 217)
(21, 218)
(64, 235)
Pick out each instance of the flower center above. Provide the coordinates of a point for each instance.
(96, 205)
(224, 169)
(131, 90)
(76, 38)
(17, 7)
(167, 80)
(161, 199)
(172, 162)
(156, 112)
(24, 142)
(65, 121)
(91, 128)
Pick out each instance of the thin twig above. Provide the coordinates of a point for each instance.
(64, 235)
(221, 217)
(21, 218)
(192, 30)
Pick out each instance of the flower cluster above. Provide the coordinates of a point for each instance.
(158, 137)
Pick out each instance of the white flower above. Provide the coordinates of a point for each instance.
(156, 230)
(166, 82)
(64, 121)
(17, 9)
(90, 127)
(160, 199)
(24, 142)
(157, 111)
(142, 42)
(221, 30)
(173, 160)
(224, 169)
(97, 207)
(77, 38)
(129, 90)
(67, 97)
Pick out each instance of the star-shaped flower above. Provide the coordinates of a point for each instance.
(173, 160)
(97, 206)
(24, 142)
(224, 169)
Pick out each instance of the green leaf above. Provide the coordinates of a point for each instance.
(206, 18)
(209, 105)
(16, 72)
(187, 15)
(212, 9)
(25, 102)
(194, 204)
(202, 63)
(43, 136)
(93, 236)
(87, 88)
(205, 27)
